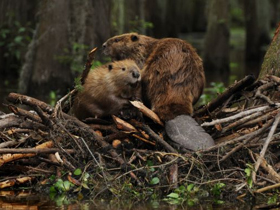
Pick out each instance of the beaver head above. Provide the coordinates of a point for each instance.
(125, 74)
(129, 46)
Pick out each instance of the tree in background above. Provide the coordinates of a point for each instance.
(257, 24)
(216, 47)
(64, 33)
(271, 63)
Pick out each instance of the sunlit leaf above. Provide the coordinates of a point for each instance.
(154, 181)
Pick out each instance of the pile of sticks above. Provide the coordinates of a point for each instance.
(47, 140)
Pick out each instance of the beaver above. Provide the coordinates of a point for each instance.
(172, 81)
(172, 72)
(107, 90)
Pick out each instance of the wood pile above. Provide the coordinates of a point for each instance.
(243, 122)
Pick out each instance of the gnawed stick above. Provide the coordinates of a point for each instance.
(147, 112)
(9, 157)
(274, 175)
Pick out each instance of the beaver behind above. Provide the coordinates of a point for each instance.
(172, 76)
(108, 89)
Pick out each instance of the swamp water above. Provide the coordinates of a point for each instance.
(10, 200)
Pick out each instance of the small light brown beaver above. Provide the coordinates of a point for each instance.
(108, 89)
(172, 72)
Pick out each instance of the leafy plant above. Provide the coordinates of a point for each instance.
(273, 199)
(14, 38)
(182, 194)
(211, 92)
(137, 24)
(216, 191)
(248, 172)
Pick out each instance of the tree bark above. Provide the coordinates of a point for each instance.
(216, 48)
(271, 63)
(66, 30)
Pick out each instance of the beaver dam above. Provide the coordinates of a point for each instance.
(46, 148)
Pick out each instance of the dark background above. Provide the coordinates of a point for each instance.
(44, 43)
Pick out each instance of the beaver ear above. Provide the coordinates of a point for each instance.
(134, 38)
(110, 67)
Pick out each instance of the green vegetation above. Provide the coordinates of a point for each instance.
(14, 38)
(248, 172)
(211, 92)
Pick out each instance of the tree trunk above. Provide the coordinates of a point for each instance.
(65, 32)
(271, 63)
(257, 23)
(216, 48)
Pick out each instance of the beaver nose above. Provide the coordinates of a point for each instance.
(136, 74)
(104, 45)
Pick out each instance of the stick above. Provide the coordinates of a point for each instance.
(8, 157)
(265, 146)
(239, 115)
(248, 80)
(33, 150)
(153, 135)
(17, 98)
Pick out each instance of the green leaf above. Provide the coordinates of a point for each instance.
(21, 29)
(248, 172)
(52, 189)
(154, 181)
(67, 185)
(190, 187)
(78, 172)
(85, 186)
(59, 184)
(173, 195)
(18, 39)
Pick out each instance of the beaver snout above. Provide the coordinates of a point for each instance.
(104, 45)
(136, 74)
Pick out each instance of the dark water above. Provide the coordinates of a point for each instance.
(26, 200)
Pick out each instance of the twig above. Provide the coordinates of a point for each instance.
(17, 98)
(239, 115)
(248, 80)
(250, 135)
(262, 88)
(33, 150)
(153, 135)
(263, 151)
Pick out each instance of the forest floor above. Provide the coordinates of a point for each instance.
(51, 151)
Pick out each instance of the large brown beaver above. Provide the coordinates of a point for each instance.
(172, 81)
(172, 76)
(108, 89)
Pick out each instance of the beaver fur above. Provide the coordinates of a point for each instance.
(108, 89)
(172, 72)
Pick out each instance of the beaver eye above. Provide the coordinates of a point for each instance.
(123, 69)
(134, 38)
(117, 40)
